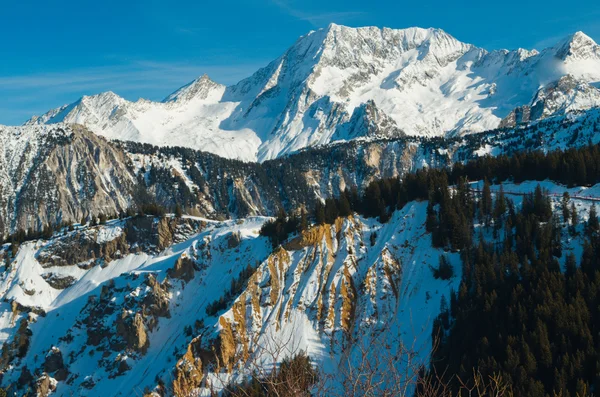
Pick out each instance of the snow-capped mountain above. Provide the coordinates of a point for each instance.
(334, 83)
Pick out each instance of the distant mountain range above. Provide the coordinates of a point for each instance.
(342, 83)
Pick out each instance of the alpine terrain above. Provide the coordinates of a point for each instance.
(376, 212)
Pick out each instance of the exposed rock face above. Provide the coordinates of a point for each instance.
(60, 174)
(25, 379)
(156, 302)
(165, 233)
(107, 318)
(58, 282)
(228, 344)
(200, 88)
(133, 330)
(333, 283)
(54, 360)
(345, 280)
(225, 188)
(519, 116)
(233, 240)
(81, 247)
(368, 121)
(18, 346)
(424, 80)
(97, 331)
(567, 94)
(564, 95)
(45, 385)
(149, 234)
(123, 367)
(578, 46)
(184, 269)
(139, 231)
(188, 371)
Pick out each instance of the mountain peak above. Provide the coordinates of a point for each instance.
(577, 46)
(345, 46)
(334, 26)
(199, 88)
(579, 35)
(103, 96)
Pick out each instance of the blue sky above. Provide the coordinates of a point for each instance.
(53, 52)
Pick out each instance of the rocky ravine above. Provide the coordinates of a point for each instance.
(127, 310)
(81, 309)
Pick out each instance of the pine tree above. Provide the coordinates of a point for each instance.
(431, 223)
(486, 202)
(178, 211)
(372, 200)
(47, 231)
(319, 213)
(344, 205)
(574, 219)
(281, 215)
(543, 341)
(565, 207)
(353, 197)
(331, 211)
(592, 223)
(444, 270)
(570, 265)
(581, 173)
(384, 215)
(500, 205)
(303, 220)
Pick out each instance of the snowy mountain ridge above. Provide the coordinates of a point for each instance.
(423, 80)
(62, 172)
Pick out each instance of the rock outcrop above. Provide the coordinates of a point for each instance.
(132, 329)
(45, 385)
(188, 371)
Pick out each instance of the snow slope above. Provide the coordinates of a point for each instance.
(135, 315)
(337, 292)
(388, 283)
(418, 81)
(65, 319)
